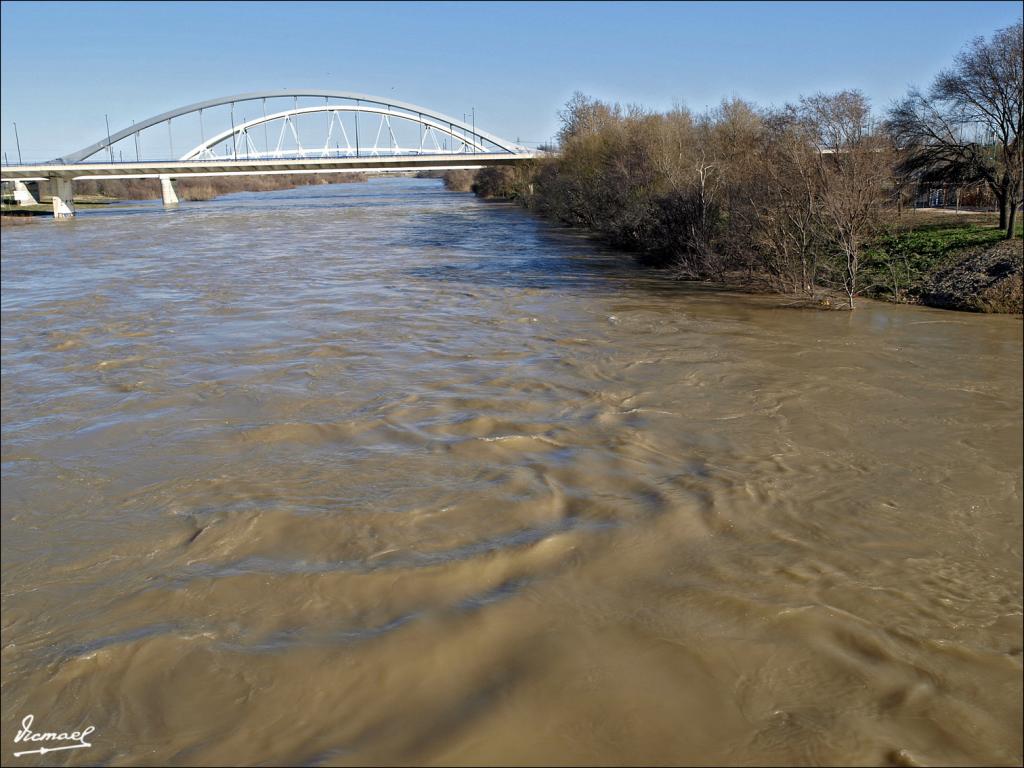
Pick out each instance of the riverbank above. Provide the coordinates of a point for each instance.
(210, 187)
(934, 257)
(812, 197)
(94, 192)
(24, 214)
(947, 260)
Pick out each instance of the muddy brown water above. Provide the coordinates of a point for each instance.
(377, 473)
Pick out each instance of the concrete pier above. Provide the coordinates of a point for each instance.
(23, 195)
(63, 198)
(167, 191)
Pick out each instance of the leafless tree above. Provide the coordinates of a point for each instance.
(968, 126)
(784, 199)
(584, 115)
(853, 170)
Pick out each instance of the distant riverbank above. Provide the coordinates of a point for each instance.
(92, 192)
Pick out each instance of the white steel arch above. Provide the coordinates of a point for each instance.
(204, 150)
(397, 108)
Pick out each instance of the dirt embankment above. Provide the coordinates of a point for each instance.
(984, 280)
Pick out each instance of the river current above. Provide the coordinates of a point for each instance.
(381, 474)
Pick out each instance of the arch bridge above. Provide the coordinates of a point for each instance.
(268, 132)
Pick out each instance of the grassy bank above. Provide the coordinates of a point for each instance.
(901, 265)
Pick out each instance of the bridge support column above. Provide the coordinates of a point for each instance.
(167, 191)
(23, 195)
(63, 198)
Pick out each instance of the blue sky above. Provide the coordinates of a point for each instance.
(66, 65)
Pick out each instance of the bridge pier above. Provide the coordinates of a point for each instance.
(167, 191)
(63, 198)
(23, 195)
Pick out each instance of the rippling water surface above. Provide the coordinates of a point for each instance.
(376, 473)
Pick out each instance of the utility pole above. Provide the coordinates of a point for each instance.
(266, 141)
(18, 142)
(110, 149)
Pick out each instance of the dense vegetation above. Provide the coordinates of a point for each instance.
(809, 196)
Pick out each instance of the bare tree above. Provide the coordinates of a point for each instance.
(705, 208)
(784, 200)
(968, 127)
(583, 115)
(853, 170)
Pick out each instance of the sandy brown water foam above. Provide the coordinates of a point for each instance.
(381, 474)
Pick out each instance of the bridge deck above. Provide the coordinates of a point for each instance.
(177, 168)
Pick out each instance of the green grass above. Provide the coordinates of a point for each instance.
(895, 266)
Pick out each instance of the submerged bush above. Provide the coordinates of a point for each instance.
(458, 180)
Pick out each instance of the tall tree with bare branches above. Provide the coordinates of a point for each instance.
(854, 168)
(968, 126)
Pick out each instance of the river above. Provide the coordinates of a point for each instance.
(377, 473)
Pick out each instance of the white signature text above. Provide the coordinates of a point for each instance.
(27, 735)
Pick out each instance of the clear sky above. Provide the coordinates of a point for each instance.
(66, 65)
